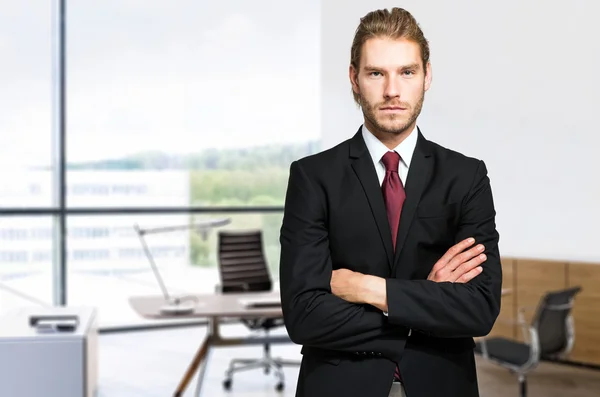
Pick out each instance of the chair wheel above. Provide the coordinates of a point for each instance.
(279, 386)
(227, 384)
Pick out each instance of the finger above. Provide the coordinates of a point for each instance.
(452, 252)
(470, 275)
(465, 257)
(458, 248)
(468, 266)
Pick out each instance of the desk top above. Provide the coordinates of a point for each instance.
(211, 305)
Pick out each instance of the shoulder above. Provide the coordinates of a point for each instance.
(323, 161)
(448, 154)
(456, 161)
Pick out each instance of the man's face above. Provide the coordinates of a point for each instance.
(391, 83)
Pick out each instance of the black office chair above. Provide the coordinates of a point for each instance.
(243, 268)
(551, 336)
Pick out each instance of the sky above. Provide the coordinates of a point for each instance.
(147, 75)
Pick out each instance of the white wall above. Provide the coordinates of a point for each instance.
(516, 84)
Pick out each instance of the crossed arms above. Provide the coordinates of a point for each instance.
(342, 310)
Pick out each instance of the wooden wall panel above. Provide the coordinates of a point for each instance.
(586, 312)
(530, 279)
(534, 279)
(504, 326)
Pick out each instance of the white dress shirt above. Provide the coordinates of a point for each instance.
(377, 149)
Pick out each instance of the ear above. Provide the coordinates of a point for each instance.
(428, 76)
(353, 74)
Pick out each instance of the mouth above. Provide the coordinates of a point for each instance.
(392, 109)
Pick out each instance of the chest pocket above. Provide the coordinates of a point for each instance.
(438, 224)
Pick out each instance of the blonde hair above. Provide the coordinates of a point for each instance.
(396, 23)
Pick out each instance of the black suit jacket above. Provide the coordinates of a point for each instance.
(335, 217)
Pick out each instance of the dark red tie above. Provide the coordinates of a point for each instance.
(393, 192)
(394, 196)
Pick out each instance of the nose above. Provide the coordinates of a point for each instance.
(392, 87)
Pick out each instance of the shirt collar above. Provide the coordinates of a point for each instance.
(377, 149)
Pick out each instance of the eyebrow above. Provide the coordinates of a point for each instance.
(371, 68)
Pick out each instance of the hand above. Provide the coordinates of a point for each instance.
(346, 284)
(457, 266)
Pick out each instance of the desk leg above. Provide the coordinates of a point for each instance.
(201, 373)
(189, 374)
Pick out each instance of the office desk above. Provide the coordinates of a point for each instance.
(214, 307)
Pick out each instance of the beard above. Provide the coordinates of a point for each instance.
(394, 124)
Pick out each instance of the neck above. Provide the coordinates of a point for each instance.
(391, 140)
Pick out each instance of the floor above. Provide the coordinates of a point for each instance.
(151, 363)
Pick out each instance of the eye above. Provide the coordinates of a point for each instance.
(375, 74)
(408, 72)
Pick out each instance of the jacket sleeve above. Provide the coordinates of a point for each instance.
(456, 309)
(313, 315)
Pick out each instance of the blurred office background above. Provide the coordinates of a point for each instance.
(175, 113)
(169, 105)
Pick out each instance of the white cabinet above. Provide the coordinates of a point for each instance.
(49, 358)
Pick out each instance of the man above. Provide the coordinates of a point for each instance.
(389, 250)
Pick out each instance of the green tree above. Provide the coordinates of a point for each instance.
(199, 251)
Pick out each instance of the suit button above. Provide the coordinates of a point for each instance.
(364, 353)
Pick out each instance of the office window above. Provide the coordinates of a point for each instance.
(25, 263)
(90, 254)
(189, 103)
(25, 100)
(181, 104)
(89, 232)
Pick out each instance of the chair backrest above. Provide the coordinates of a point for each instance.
(553, 321)
(242, 263)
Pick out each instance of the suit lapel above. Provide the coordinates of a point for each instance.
(365, 171)
(418, 177)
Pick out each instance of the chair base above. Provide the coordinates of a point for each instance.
(267, 363)
(523, 385)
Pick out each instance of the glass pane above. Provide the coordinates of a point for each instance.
(206, 103)
(25, 100)
(25, 262)
(108, 265)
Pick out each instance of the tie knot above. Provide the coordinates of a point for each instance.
(391, 160)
